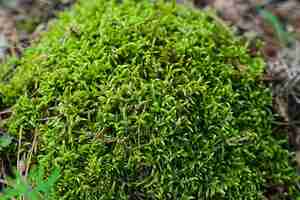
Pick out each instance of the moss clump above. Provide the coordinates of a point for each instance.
(146, 101)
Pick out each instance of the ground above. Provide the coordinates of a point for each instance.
(21, 21)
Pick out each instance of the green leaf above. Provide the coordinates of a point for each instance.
(283, 36)
(5, 141)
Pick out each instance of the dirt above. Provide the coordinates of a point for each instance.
(21, 21)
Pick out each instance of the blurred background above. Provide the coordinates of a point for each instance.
(21, 21)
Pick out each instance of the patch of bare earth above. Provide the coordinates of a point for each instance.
(22, 21)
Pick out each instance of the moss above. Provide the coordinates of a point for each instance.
(145, 101)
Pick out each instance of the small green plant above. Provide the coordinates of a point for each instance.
(5, 141)
(283, 36)
(33, 187)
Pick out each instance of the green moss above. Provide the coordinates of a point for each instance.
(146, 101)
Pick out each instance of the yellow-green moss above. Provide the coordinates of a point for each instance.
(140, 100)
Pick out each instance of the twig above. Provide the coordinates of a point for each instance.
(34, 143)
(271, 78)
(2, 173)
(218, 20)
(19, 150)
(7, 111)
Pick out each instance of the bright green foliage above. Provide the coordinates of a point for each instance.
(33, 187)
(282, 35)
(147, 101)
(5, 141)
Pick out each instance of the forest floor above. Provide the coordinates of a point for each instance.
(21, 22)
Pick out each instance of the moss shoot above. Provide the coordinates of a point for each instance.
(144, 100)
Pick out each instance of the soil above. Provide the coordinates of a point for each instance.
(21, 21)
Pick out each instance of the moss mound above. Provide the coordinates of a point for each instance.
(145, 101)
